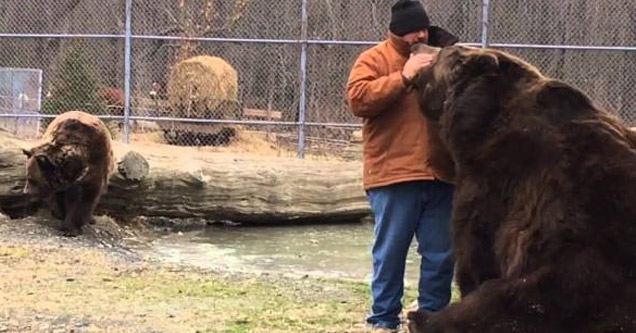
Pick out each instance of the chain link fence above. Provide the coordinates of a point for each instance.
(270, 75)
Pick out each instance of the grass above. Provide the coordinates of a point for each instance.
(254, 305)
(14, 252)
(45, 284)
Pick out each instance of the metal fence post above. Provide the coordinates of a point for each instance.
(302, 107)
(127, 70)
(485, 23)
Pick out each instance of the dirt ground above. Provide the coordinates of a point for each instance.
(95, 283)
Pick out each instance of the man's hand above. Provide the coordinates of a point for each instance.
(415, 64)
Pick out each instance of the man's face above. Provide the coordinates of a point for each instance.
(416, 37)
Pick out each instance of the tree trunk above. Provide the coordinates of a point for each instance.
(181, 182)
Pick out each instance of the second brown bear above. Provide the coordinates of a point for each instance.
(70, 168)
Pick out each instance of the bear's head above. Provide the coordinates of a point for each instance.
(468, 87)
(51, 168)
(451, 68)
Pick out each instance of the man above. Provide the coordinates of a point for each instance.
(406, 197)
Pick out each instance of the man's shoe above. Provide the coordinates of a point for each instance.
(381, 329)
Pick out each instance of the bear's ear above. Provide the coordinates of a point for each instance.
(27, 152)
(561, 101)
(480, 63)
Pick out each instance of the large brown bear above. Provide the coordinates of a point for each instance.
(544, 218)
(71, 167)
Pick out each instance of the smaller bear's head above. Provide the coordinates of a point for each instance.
(452, 66)
(51, 168)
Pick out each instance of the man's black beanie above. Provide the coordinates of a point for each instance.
(408, 16)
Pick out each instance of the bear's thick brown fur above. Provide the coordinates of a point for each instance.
(70, 168)
(544, 217)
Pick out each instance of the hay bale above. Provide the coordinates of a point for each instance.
(203, 87)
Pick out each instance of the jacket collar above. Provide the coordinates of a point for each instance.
(399, 45)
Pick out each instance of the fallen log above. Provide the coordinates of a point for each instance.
(154, 180)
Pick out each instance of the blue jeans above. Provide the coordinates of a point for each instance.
(421, 209)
